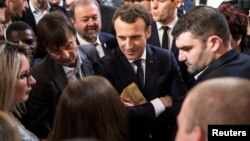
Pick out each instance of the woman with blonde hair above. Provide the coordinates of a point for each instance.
(8, 128)
(15, 82)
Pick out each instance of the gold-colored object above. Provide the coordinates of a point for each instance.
(133, 92)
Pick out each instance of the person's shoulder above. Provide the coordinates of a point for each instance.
(106, 8)
(107, 35)
(158, 50)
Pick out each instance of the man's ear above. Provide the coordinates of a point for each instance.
(148, 31)
(72, 21)
(199, 134)
(214, 42)
(239, 41)
(176, 2)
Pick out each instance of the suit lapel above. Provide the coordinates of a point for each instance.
(128, 71)
(154, 38)
(59, 79)
(150, 76)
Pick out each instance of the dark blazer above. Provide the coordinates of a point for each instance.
(155, 40)
(231, 64)
(162, 78)
(51, 80)
(107, 13)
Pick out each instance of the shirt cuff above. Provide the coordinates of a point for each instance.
(158, 106)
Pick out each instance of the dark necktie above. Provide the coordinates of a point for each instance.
(165, 37)
(139, 71)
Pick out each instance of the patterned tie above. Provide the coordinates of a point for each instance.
(165, 37)
(99, 50)
(139, 72)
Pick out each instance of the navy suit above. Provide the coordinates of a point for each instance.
(231, 64)
(155, 40)
(162, 77)
(51, 80)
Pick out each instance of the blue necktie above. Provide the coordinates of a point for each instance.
(139, 72)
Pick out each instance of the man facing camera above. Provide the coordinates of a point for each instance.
(153, 70)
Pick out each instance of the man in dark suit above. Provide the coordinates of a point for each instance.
(63, 63)
(164, 14)
(203, 39)
(87, 21)
(158, 77)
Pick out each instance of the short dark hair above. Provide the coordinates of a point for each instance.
(2, 3)
(53, 30)
(130, 12)
(17, 26)
(203, 22)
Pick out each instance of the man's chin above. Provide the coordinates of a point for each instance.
(70, 64)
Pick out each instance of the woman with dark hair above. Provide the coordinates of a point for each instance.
(90, 108)
(237, 21)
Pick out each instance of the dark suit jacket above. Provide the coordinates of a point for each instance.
(155, 40)
(107, 13)
(162, 78)
(231, 64)
(51, 80)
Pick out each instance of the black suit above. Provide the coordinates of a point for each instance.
(107, 13)
(155, 40)
(51, 80)
(162, 78)
(231, 64)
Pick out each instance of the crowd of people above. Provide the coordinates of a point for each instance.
(75, 69)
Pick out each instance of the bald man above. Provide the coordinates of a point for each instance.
(220, 101)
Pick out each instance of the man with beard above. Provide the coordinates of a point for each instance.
(203, 39)
(87, 21)
(64, 62)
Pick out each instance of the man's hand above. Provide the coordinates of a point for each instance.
(167, 101)
(127, 102)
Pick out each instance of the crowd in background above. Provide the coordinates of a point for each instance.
(114, 70)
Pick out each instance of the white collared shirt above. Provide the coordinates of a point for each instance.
(38, 15)
(157, 104)
(99, 48)
(78, 66)
(160, 31)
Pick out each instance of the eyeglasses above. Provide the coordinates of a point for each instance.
(26, 75)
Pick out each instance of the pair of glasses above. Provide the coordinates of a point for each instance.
(26, 75)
